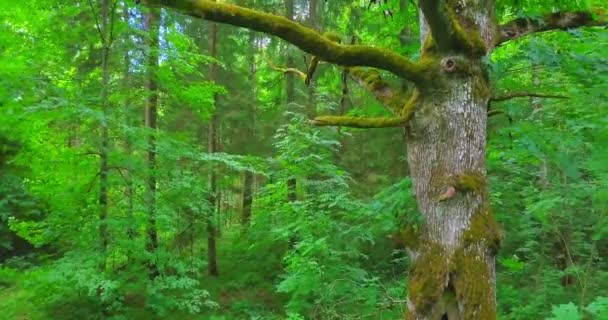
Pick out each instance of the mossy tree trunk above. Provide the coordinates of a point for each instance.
(445, 119)
(453, 275)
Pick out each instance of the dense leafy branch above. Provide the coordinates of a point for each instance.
(304, 38)
(554, 21)
(358, 122)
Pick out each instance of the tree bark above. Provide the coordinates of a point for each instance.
(453, 273)
(211, 148)
(151, 25)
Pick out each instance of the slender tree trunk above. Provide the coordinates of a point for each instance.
(247, 197)
(290, 89)
(129, 189)
(152, 21)
(212, 147)
(453, 275)
(105, 140)
(312, 92)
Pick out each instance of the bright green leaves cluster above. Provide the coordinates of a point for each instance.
(547, 171)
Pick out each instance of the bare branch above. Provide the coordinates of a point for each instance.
(555, 21)
(97, 25)
(295, 71)
(514, 95)
(304, 38)
(358, 122)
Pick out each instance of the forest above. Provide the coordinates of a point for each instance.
(304, 159)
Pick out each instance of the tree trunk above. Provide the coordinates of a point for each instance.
(453, 274)
(103, 152)
(128, 122)
(313, 21)
(247, 197)
(212, 147)
(290, 93)
(152, 27)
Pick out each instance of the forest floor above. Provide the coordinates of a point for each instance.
(244, 290)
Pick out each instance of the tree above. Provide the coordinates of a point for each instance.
(212, 147)
(151, 23)
(445, 117)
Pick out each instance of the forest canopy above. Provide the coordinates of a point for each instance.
(304, 159)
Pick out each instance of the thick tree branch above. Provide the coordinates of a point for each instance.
(358, 122)
(513, 95)
(304, 38)
(554, 21)
(448, 33)
(370, 79)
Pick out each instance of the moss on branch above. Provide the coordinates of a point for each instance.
(371, 79)
(555, 21)
(304, 38)
(448, 32)
(358, 122)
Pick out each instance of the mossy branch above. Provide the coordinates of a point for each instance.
(304, 38)
(371, 79)
(447, 32)
(555, 21)
(358, 122)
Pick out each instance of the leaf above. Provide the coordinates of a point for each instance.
(565, 312)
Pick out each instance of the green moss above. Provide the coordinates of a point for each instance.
(333, 36)
(483, 229)
(467, 36)
(473, 182)
(358, 122)
(481, 89)
(410, 107)
(428, 47)
(428, 278)
(410, 237)
(304, 38)
(372, 80)
(472, 283)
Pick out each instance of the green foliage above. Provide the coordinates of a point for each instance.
(326, 255)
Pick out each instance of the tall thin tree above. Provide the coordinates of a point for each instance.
(152, 25)
(212, 148)
(105, 140)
